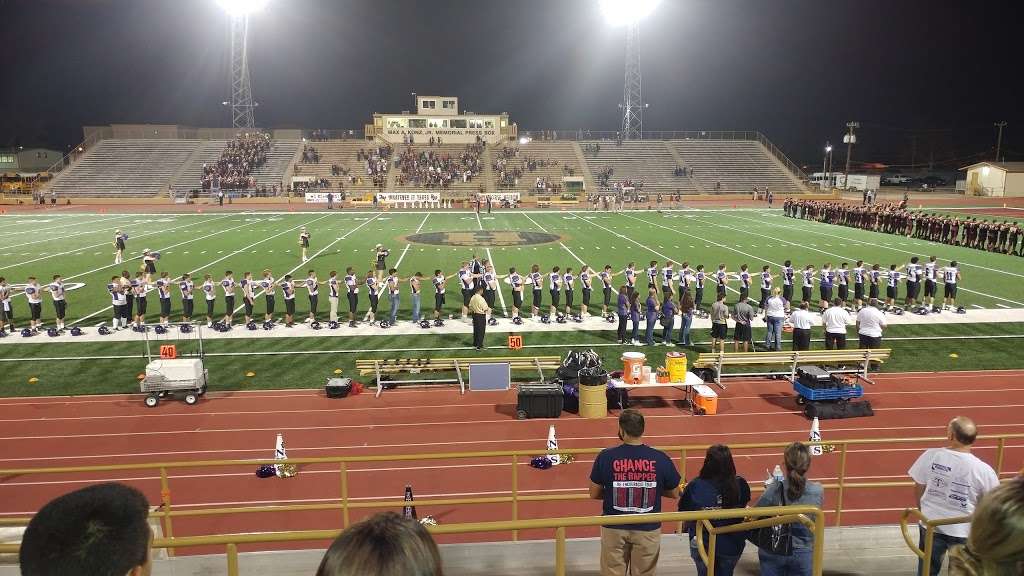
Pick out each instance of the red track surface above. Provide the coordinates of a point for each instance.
(47, 432)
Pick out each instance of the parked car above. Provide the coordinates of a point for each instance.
(931, 181)
(895, 179)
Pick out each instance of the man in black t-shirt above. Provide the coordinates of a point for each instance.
(632, 478)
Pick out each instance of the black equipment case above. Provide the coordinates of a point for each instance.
(540, 400)
(814, 377)
(338, 387)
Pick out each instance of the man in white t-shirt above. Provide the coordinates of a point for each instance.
(802, 321)
(949, 482)
(836, 319)
(870, 323)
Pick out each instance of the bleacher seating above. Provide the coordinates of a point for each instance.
(457, 186)
(343, 153)
(208, 153)
(738, 165)
(649, 161)
(559, 154)
(126, 168)
(279, 158)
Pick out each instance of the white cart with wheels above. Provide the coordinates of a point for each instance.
(183, 378)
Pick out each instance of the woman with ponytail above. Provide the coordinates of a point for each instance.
(995, 546)
(794, 489)
(718, 486)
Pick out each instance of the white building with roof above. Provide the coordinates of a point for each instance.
(995, 179)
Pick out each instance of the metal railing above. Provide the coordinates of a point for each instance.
(811, 517)
(925, 554)
(514, 496)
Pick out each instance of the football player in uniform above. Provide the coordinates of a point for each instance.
(187, 289)
(352, 294)
(210, 292)
(606, 276)
(139, 289)
(304, 243)
(163, 291)
(120, 241)
(228, 284)
(248, 287)
(6, 311)
(269, 286)
(373, 290)
(288, 291)
(312, 285)
(34, 294)
(59, 302)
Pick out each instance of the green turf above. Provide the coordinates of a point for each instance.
(78, 247)
(309, 370)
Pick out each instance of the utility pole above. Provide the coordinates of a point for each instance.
(999, 139)
(850, 139)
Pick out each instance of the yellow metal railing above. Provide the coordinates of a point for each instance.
(810, 516)
(514, 496)
(925, 554)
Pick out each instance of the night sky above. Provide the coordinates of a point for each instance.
(927, 77)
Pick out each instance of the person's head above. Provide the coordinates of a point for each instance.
(776, 291)
(787, 263)
(796, 459)
(125, 274)
(568, 270)
(555, 269)
(287, 277)
(914, 260)
(668, 297)
(860, 263)
(892, 267)
(686, 300)
(631, 425)
(721, 266)
(953, 264)
(837, 302)
(961, 432)
(479, 290)
(392, 271)
(720, 470)
(809, 267)
(607, 267)
(652, 292)
(3, 280)
(874, 266)
(803, 305)
(244, 274)
(227, 273)
(995, 546)
(720, 298)
(100, 529)
(382, 545)
(931, 258)
(56, 277)
(765, 268)
(743, 267)
(654, 263)
(844, 265)
(187, 276)
(743, 298)
(207, 277)
(333, 274)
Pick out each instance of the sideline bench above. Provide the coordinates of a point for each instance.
(393, 366)
(716, 362)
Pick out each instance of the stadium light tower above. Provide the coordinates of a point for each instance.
(242, 106)
(629, 13)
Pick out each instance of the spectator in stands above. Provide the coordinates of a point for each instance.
(794, 489)
(995, 546)
(632, 478)
(100, 530)
(383, 545)
(716, 487)
(870, 323)
(240, 157)
(949, 482)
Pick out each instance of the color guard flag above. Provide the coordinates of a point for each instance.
(555, 458)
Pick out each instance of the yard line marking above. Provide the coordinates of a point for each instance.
(889, 247)
(315, 254)
(975, 305)
(1002, 305)
(176, 278)
(833, 254)
(106, 244)
(610, 231)
(106, 229)
(65, 225)
(543, 229)
(501, 297)
(402, 257)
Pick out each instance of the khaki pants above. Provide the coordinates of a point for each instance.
(334, 308)
(633, 550)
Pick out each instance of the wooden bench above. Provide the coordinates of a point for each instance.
(716, 362)
(393, 366)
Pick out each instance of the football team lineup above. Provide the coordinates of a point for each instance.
(583, 245)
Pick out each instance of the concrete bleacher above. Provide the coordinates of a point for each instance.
(280, 157)
(124, 168)
(738, 165)
(191, 174)
(647, 161)
(457, 188)
(564, 153)
(343, 153)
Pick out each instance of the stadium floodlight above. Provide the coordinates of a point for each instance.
(242, 7)
(627, 12)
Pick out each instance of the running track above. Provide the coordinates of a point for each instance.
(93, 430)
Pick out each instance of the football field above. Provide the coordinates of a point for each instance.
(79, 247)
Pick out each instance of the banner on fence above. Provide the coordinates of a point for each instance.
(319, 197)
(408, 196)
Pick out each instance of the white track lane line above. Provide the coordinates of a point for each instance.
(501, 297)
(407, 246)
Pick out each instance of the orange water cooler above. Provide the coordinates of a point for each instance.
(633, 367)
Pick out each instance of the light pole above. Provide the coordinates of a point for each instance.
(999, 138)
(850, 139)
(242, 116)
(825, 162)
(628, 13)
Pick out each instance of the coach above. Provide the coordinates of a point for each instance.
(870, 323)
(479, 309)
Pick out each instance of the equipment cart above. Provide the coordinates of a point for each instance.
(182, 378)
(842, 393)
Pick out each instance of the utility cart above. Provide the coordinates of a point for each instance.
(180, 378)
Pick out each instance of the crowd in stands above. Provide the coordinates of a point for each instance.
(240, 157)
(591, 149)
(310, 155)
(430, 169)
(104, 528)
(893, 218)
(683, 172)
(375, 161)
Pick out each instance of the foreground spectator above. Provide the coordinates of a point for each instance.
(870, 323)
(949, 482)
(101, 530)
(793, 490)
(383, 545)
(995, 546)
(632, 478)
(718, 486)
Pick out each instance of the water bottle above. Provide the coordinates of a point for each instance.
(777, 473)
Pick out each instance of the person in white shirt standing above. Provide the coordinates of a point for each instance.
(34, 294)
(59, 302)
(870, 323)
(836, 319)
(332, 295)
(802, 321)
(949, 481)
(774, 315)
